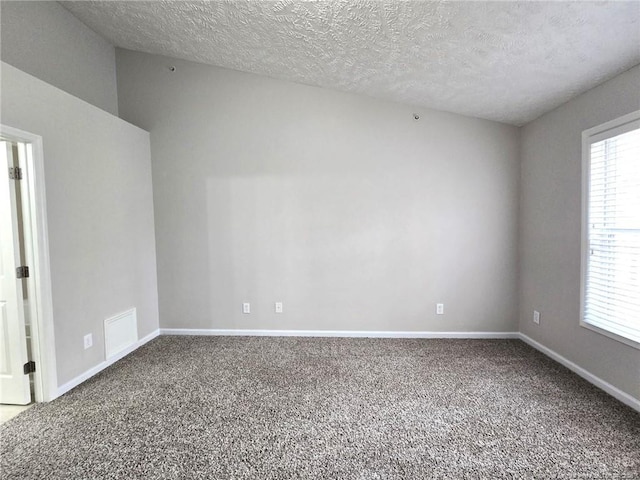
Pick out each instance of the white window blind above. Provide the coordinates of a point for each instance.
(611, 296)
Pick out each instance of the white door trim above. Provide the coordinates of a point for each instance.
(42, 332)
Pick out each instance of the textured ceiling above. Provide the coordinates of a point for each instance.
(505, 61)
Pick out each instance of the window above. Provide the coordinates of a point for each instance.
(611, 229)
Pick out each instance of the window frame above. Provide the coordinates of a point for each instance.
(592, 135)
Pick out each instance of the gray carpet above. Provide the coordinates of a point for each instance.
(280, 408)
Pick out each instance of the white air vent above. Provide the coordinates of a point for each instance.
(120, 332)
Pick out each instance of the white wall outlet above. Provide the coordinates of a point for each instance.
(536, 317)
(246, 308)
(278, 307)
(439, 308)
(88, 341)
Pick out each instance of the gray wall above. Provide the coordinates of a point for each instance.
(550, 218)
(45, 40)
(100, 213)
(343, 207)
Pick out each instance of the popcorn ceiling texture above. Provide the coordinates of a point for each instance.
(504, 61)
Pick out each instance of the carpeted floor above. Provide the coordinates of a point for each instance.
(281, 408)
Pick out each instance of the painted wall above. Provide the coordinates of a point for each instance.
(47, 41)
(100, 214)
(343, 207)
(550, 222)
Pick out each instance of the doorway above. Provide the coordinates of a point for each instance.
(27, 354)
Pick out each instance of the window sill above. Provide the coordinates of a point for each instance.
(606, 333)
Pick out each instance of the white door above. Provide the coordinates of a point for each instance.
(14, 384)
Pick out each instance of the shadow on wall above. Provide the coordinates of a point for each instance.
(351, 252)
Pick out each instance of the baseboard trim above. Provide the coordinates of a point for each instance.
(588, 376)
(98, 368)
(333, 333)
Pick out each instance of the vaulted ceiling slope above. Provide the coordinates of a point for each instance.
(504, 61)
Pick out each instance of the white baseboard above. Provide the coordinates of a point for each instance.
(588, 376)
(98, 368)
(333, 333)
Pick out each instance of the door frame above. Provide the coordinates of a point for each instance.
(37, 251)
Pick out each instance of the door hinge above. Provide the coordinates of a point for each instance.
(22, 272)
(15, 173)
(29, 367)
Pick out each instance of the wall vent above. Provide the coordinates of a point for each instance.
(120, 332)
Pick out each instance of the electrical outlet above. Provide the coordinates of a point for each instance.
(246, 308)
(88, 341)
(439, 308)
(536, 317)
(278, 307)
